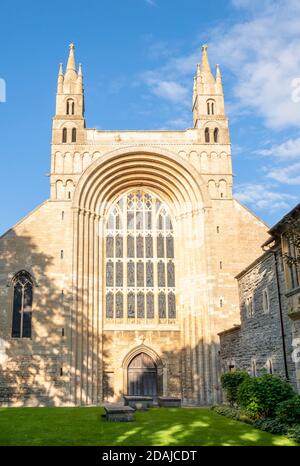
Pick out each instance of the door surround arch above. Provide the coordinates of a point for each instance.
(160, 366)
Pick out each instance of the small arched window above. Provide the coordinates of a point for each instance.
(22, 305)
(216, 135)
(210, 107)
(73, 134)
(70, 107)
(64, 135)
(206, 133)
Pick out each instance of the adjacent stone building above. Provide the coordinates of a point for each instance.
(120, 282)
(268, 337)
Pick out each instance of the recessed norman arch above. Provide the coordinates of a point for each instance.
(160, 170)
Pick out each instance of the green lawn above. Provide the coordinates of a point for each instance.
(85, 426)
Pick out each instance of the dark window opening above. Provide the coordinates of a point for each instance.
(207, 139)
(22, 305)
(64, 135)
(74, 135)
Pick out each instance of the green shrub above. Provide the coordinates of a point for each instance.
(289, 411)
(230, 383)
(294, 433)
(274, 426)
(260, 395)
(233, 413)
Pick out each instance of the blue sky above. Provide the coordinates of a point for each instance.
(139, 58)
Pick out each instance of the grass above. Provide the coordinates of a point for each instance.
(159, 426)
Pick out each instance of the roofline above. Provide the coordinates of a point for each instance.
(251, 212)
(283, 220)
(24, 218)
(230, 330)
(250, 266)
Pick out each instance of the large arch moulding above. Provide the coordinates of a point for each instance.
(183, 188)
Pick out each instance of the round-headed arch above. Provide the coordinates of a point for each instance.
(174, 178)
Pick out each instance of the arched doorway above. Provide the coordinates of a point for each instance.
(142, 376)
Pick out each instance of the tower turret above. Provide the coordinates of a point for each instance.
(208, 103)
(69, 123)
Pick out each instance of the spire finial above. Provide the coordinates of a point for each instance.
(205, 68)
(71, 60)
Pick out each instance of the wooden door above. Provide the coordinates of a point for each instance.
(142, 376)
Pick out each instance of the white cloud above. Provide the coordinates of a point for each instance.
(151, 2)
(289, 175)
(263, 55)
(287, 150)
(263, 197)
(169, 90)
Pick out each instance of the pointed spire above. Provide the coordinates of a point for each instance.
(60, 79)
(79, 82)
(198, 70)
(219, 86)
(195, 84)
(206, 71)
(61, 72)
(71, 60)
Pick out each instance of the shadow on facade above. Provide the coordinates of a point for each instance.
(45, 369)
(39, 371)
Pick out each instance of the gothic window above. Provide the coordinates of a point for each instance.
(171, 305)
(162, 305)
(216, 135)
(73, 134)
(22, 305)
(119, 305)
(140, 270)
(109, 305)
(150, 305)
(131, 305)
(161, 274)
(140, 305)
(64, 135)
(207, 139)
(110, 273)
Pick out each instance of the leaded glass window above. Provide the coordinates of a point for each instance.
(22, 305)
(140, 270)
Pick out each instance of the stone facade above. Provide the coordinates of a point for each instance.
(78, 352)
(268, 337)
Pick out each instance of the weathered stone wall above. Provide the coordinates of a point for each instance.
(260, 337)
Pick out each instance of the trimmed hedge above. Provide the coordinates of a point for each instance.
(230, 383)
(233, 413)
(260, 395)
